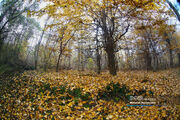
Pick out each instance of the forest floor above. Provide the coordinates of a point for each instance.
(86, 95)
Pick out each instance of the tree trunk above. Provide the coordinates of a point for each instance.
(79, 62)
(82, 62)
(171, 58)
(179, 59)
(98, 56)
(156, 63)
(57, 66)
(69, 64)
(109, 47)
(59, 57)
(1, 42)
(170, 52)
(111, 60)
(110, 50)
(148, 62)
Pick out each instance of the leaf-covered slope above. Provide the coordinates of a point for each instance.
(73, 95)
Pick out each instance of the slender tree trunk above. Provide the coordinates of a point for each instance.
(59, 57)
(157, 63)
(82, 63)
(1, 42)
(69, 64)
(171, 58)
(79, 62)
(98, 56)
(58, 62)
(82, 55)
(98, 62)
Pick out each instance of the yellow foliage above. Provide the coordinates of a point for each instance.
(26, 98)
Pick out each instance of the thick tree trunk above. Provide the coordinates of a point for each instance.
(111, 61)
(108, 26)
(110, 50)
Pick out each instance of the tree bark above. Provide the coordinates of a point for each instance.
(170, 52)
(179, 59)
(110, 50)
(98, 56)
(58, 62)
(171, 58)
(59, 57)
(98, 62)
(148, 61)
(79, 56)
(112, 62)
(69, 64)
(109, 44)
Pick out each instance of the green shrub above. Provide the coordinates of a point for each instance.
(6, 68)
(114, 91)
(45, 87)
(85, 96)
(53, 90)
(62, 89)
(76, 92)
